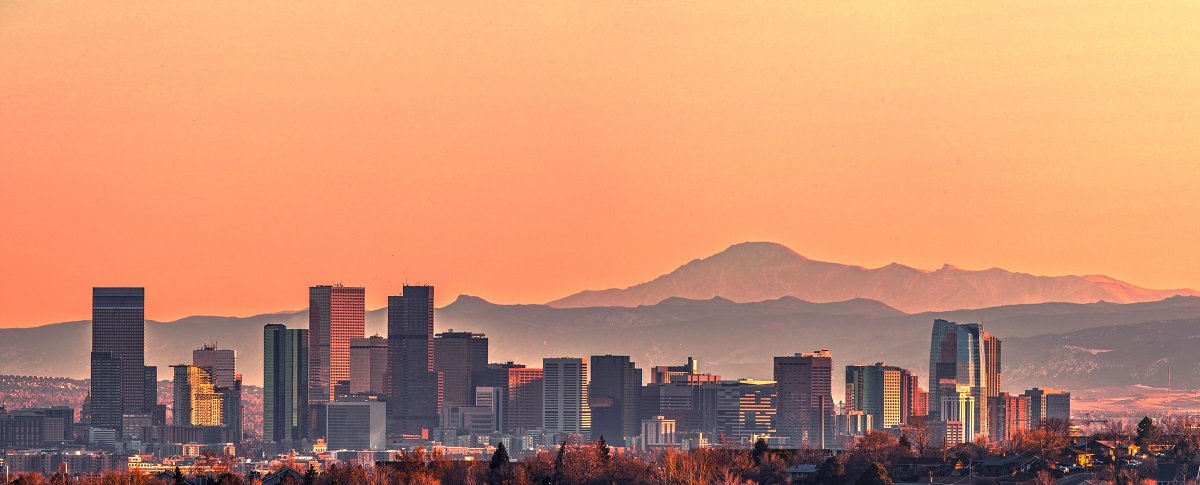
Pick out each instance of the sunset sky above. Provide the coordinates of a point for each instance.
(227, 155)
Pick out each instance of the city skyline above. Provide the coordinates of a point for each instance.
(569, 243)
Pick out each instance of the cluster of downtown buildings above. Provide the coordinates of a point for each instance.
(329, 387)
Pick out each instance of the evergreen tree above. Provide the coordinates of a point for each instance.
(500, 457)
(310, 475)
(832, 472)
(760, 451)
(1145, 430)
(177, 476)
(558, 463)
(875, 474)
(602, 447)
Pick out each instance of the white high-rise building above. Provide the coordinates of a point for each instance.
(565, 406)
(958, 412)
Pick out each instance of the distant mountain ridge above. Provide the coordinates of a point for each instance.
(729, 338)
(757, 271)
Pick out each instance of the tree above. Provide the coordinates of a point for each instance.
(760, 450)
(876, 446)
(177, 477)
(919, 434)
(875, 474)
(905, 443)
(1145, 431)
(558, 463)
(310, 474)
(500, 457)
(832, 472)
(602, 448)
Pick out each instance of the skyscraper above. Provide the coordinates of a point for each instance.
(1008, 415)
(970, 356)
(520, 388)
(456, 356)
(118, 371)
(913, 398)
(413, 405)
(336, 314)
(805, 397)
(221, 364)
(738, 410)
(878, 391)
(368, 365)
(613, 394)
(285, 383)
(197, 400)
(565, 408)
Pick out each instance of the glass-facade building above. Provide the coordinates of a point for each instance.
(613, 395)
(456, 357)
(285, 383)
(969, 356)
(414, 399)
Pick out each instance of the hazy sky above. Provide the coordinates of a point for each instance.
(227, 155)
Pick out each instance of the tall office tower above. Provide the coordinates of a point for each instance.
(804, 383)
(220, 363)
(523, 407)
(920, 403)
(613, 394)
(104, 401)
(1009, 415)
(677, 401)
(877, 390)
(413, 406)
(285, 383)
(970, 356)
(521, 390)
(119, 374)
(1048, 404)
(689, 372)
(957, 412)
(150, 405)
(738, 410)
(565, 406)
(231, 414)
(456, 356)
(910, 395)
(197, 400)
(336, 314)
(368, 365)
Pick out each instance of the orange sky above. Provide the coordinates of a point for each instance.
(226, 155)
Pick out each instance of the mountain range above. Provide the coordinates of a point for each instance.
(1072, 345)
(1066, 345)
(757, 271)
